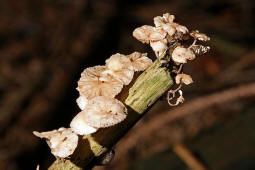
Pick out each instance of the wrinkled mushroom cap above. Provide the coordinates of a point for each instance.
(118, 62)
(200, 36)
(139, 61)
(148, 33)
(120, 68)
(184, 78)
(103, 112)
(62, 141)
(94, 83)
(79, 125)
(181, 55)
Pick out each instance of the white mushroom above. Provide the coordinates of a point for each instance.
(149, 33)
(120, 68)
(82, 101)
(181, 55)
(62, 141)
(167, 23)
(200, 36)
(103, 112)
(184, 78)
(79, 125)
(94, 83)
(140, 61)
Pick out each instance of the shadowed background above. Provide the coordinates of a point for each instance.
(45, 45)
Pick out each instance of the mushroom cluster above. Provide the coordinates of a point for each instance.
(97, 87)
(168, 33)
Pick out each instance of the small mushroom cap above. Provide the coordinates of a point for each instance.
(62, 141)
(94, 83)
(140, 61)
(79, 125)
(148, 33)
(160, 21)
(120, 68)
(118, 62)
(180, 28)
(181, 55)
(103, 112)
(184, 78)
(168, 24)
(82, 102)
(200, 36)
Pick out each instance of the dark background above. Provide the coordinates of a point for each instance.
(45, 45)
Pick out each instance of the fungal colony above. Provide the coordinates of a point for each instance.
(99, 85)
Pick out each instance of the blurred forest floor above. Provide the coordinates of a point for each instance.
(45, 45)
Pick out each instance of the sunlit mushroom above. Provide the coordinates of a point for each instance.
(148, 33)
(103, 112)
(181, 55)
(94, 83)
(183, 78)
(120, 68)
(79, 125)
(199, 36)
(62, 141)
(140, 61)
(167, 23)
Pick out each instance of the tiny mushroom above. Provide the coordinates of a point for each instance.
(200, 36)
(148, 33)
(168, 24)
(183, 78)
(103, 112)
(79, 125)
(181, 55)
(62, 141)
(120, 68)
(155, 36)
(94, 83)
(140, 61)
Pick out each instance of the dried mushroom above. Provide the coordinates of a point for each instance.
(120, 68)
(103, 112)
(183, 78)
(140, 61)
(62, 141)
(94, 83)
(182, 55)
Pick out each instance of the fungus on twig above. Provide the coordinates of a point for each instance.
(199, 36)
(103, 112)
(62, 141)
(183, 78)
(140, 61)
(182, 55)
(120, 68)
(94, 83)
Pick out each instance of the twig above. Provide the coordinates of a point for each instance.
(185, 154)
(186, 109)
